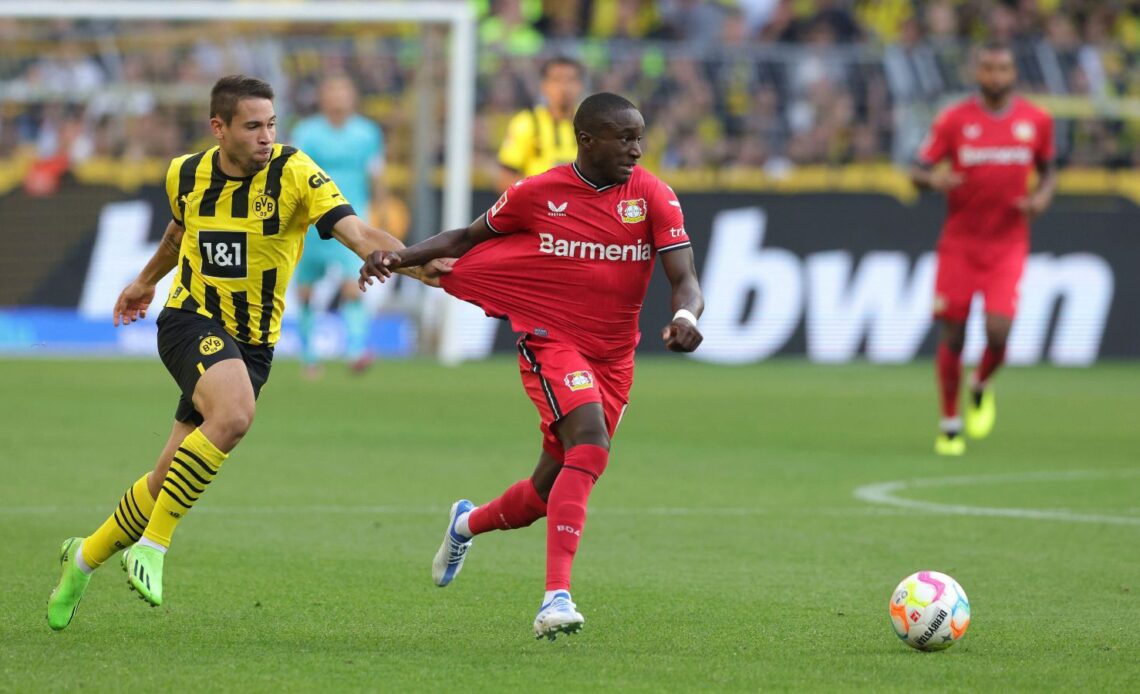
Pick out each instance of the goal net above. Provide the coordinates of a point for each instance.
(96, 97)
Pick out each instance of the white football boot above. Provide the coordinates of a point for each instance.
(559, 616)
(449, 558)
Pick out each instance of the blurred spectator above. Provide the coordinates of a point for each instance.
(695, 22)
(942, 26)
(734, 85)
(66, 70)
(884, 19)
(757, 14)
(510, 27)
(63, 142)
(624, 19)
(838, 19)
(542, 136)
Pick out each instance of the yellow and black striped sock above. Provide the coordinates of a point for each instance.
(195, 464)
(122, 528)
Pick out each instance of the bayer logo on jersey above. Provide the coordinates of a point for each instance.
(632, 211)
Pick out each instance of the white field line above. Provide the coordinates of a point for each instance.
(886, 493)
(883, 494)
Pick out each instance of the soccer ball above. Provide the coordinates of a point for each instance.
(929, 611)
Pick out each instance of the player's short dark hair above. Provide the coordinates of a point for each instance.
(230, 90)
(596, 107)
(554, 62)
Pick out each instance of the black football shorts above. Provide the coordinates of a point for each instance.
(190, 343)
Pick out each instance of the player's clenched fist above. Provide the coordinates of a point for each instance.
(378, 264)
(681, 336)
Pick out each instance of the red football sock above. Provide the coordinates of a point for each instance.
(517, 507)
(991, 360)
(566, 514)
(949, 379)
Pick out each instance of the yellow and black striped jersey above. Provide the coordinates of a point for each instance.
(245, 235)
(535, 142)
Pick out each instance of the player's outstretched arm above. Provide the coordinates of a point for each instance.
(363, 239)
(360, 238)
(448, 244)
(135, 299)
(682, 335)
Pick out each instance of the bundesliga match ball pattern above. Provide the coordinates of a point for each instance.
(929, 611)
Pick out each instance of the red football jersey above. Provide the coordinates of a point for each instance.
(995, 153)
(573, 259)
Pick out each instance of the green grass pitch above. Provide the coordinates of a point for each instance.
(725, 550)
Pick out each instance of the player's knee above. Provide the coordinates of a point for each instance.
(545, 473)
(592, 434)
(241, 419)
(231, 423)
(954, 337)
(543, 482)
(997, 339)
(584, 425)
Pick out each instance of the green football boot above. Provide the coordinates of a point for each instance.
(64, 600)
(144, 572)
(950, 445)
(980, 418)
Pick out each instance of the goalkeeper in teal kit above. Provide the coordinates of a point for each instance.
(350, 149)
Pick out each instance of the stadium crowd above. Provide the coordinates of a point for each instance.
(749, 84)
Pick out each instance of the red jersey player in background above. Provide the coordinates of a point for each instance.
(566, 256)
(993, 140)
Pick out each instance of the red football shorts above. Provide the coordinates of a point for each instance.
(962, 273)
(559, 379)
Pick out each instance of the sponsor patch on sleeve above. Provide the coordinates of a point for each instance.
(499, 204)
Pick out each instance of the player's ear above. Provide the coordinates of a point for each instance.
(585, 139)
(216, 126)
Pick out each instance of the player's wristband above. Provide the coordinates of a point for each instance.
(686, 315)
